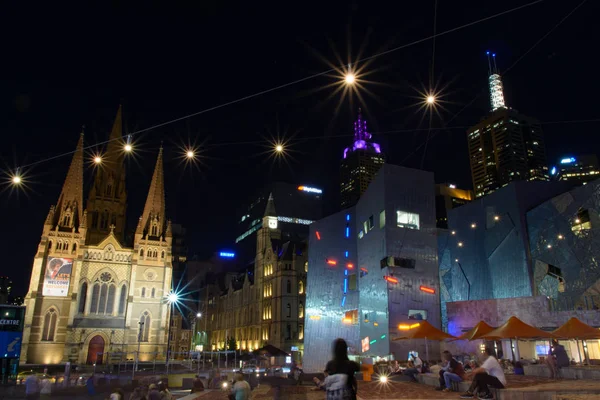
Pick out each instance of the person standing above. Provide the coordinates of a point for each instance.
(490, 374)
(89, 384)
(340, 384)
(46, 388)
(32, 387)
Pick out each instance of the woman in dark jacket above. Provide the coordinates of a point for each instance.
(340, 383)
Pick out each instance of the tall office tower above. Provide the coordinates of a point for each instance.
(580, 169)
(359, 165)
(504, 146)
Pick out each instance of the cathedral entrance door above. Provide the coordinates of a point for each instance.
(96, 346)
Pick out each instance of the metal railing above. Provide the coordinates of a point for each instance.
(579, 303)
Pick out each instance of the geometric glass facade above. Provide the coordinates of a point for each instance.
(373, 267)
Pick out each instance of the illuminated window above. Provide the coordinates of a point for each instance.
(371, 223)
(289, 310)
(408, 220)
(352, 282)
(382, 219)
(300, 287)
(50, 321)
(300, 332)
(581, 223)
(123, 300)
(352, 316)
(306, 266)
(300, 310)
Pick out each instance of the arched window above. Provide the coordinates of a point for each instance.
(104, 220)
(162, 255)
(155, 254)
(289, 310)
(109, 189)
(66, 246)
(49, 329)
(301, 287)
(82, 297)
(306, 266)
(145, 322)
(289, 286)
(103, 295)
(154, 230)
(122, 299)
(153, 293)
(141, 253)
(50, 245)
(95, 296)
(110, 301)
(67, 220)
(300, 310)
(74, 247)
(95, 218)
(143, 292)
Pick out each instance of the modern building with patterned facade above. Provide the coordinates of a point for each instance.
(264, 304)
(485, 252)
(373, 269)
(92, 299)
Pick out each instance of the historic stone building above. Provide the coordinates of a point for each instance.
(91, 297)
(264, 305)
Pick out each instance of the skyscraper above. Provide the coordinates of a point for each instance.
(505, 146)
(360, 164)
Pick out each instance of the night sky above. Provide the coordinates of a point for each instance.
(62, 69)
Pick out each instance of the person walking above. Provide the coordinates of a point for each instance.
(46, 388)
(241, 389)
(490, 374)
(340, 383)
(32, 387)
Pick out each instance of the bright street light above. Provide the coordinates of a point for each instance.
(128, 148)
(430, 99)
(97, 159)
(198, 315)
(279, 148)
(172, 297)
(16, 179)
(350, 78)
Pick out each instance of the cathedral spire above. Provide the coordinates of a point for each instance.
(270, 209)
(115, 144)
(153, 222)
(69, 207)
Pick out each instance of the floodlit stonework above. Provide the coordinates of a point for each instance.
(91, 298)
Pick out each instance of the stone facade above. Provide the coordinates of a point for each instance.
(93, 301)
(390, 233)
(264, 305)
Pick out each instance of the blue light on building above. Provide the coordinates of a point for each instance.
(226, 254)
(568, 160)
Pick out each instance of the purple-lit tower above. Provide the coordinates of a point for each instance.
(359, 165)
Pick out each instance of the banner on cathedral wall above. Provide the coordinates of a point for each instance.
(57, 276)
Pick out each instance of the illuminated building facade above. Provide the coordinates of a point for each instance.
(505, 146)
(360, 164)
(264, 304)
(372, 269)
(581, 169)
(297, 207)
(485, 252)
(91, 299)
(448, 197)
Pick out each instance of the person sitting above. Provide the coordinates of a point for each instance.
(394, 367)
(490, 374)
(452, 371)
(414, 367)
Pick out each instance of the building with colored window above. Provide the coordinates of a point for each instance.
(580, 170)
(91, 297)
(373, 271)
(360, 164)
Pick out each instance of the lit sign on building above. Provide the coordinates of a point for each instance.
(226, 254)
(568, 160)
(310, 189)
(553, 171)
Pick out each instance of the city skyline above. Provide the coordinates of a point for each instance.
(44, 127)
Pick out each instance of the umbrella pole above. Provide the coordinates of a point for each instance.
(427, 350)
(579, 351)
(512, 349)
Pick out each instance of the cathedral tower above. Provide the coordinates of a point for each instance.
(107, 202)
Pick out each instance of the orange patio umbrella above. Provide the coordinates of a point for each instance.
(422, 330)
(479, 330)
(514, 328)
(575, 329)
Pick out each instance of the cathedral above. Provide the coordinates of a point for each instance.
(91, 298)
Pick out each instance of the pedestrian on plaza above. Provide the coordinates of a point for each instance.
(137, 394)
(241, 389)
(153, 393)
(415, 366)
(89, 384)
(452, 371)
(340, 384)
(197, 386)
(165, 394)
(32, 387)
(46, 387)
(117, 394)
(490, 374)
